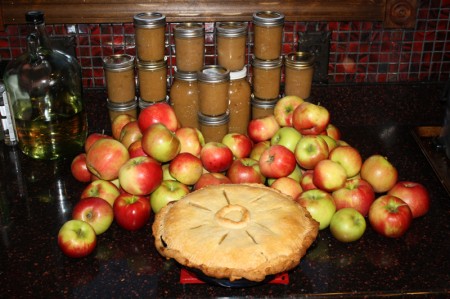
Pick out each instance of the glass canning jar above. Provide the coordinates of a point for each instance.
(189, 46)
(298, 74)
(231, 40)
(152, 80)
(150, 30)
(267, 78)
(213, 90)
(120, 77)
(184, 98)
(268, 34)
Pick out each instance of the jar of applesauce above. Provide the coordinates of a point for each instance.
(213, 90)
(116, 109)
(231, 44)
(120, 78)
(298, 74)
(268, 34)
(262, 108)
(267, 78)
(213, 128)
(150, 30)
(184, 98)
(189, 46)
(152, 80)
(239, 95)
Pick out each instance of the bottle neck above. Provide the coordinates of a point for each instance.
(41, 34)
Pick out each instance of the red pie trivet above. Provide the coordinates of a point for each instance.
(187, 277)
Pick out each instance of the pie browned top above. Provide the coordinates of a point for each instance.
(235, 231)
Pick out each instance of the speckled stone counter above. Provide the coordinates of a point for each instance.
(37, 197)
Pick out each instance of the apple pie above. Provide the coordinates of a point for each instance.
(235, 231)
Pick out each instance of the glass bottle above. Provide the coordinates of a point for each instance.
(45, 91)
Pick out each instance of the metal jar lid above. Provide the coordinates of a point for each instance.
(214, 120)
(186, 30)
(299, 59)
(267, 64)
(149, 20)
(263, 104)
(186, 76)
(213, 74)
(151, 66)
(119, 107)
(268, 18)
(231, 29)
(118, 62)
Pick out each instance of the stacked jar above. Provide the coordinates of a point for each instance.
(150, 29)
(298, 74)
(267, 61)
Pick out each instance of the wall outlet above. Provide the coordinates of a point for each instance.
(317, 43)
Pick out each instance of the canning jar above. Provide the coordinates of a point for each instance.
(262, 108)
(266, 78)
(239, 97)
(152, 80)
(268, 34)
(150, 30)
(184, 98)
(231, 44)
(299, 71)
(213, 89)
(120, 77)
(189, 46)
(115, 109)
(213, 128)
(144, 104)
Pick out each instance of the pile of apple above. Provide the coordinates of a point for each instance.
(150, 161)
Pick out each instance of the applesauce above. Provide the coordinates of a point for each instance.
(152, 80)
(115, 109)
(213, 128)
(262, 108)
(213, 89)
(150, 36)
(239, 107)
(120, 78)
(189, 46)
(231, 44)
(184, 98)
(267, 78)
(299, 72)
(268, 34)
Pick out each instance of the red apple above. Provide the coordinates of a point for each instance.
(245, 170)
(379, 172)
(140, 175)
(103, 189)
(390, 216)
(319, 204)
(414, 194)
(167, 192)
(79, 168)
(158, 113)
(348, 225)
(211, 178)
(92, 138)
(310, 150)
(333, 131)
(216, 157)
(132, 212)
(130, 133)
(307, 180)
(310, 119)
(258, 149)
(286, 136)
(288, 186)
(96, 211)
(105, 157)
(277, 161)
(118, 123)
(160, 143)
(241, 145)
(77, 238)
(357, 194)
(329, 175)
(349, 158)
(135, 149)
(186, 168)
(261, 129)
(191, 140)
(284, 109)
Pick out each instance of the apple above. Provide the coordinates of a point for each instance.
(379, 172)
(135, 149)
(258, 149)
(130, 133)
(310, 119)
(349, 157)
(103, 189)
(390, 216)
(357, 194)
(216, 156)
(140, 175)
(288, 186)
(296, 174)
(286, 136)
(191, 140)
(79, 169)
(332, 144)
(284, 109)
(333, 131)
(307, 180)
(118, 123)
(77, 238)
(186, 168)
(319, 204)
(160, 143)
(329, 175)
(160, 112)
(347, 225)
(245, 170)
(105, 157)
(277, 161)
(166, 192)
(310, 150)
(92, 138)
(414, 194)
(260, 129)
(211, 178)
(241, 145)
(96, 211)
(132, 212)
(166, 172)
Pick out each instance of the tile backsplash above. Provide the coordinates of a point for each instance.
(359, 52)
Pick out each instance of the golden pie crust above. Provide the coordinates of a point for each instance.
(235, 231)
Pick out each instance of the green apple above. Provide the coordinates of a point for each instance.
(319, 204)
(347, 225)
(166, 192)
(286, 136)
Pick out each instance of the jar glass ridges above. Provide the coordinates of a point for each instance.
(299, 73)
(213, 128)
(120, 77)
(116, 109)
(231, 38)
(152, 80)
(189, 46)
(267, 78)
(213, 87)
(268, 34)
(150, 29)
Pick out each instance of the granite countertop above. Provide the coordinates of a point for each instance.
(37, 197)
